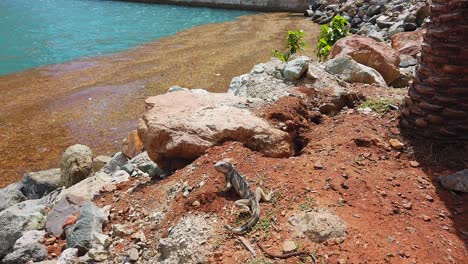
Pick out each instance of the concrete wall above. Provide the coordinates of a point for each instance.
(259, 5)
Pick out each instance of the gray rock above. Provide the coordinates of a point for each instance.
(456, 182)
(98, 254)
(115, 164)
(378, 36)
(24, 216)
(11, 195)
(176, 88)
(296, 68)
(351, 71)
(143, 163)
(184, 243)
(100, 161)
(319, 226)
(29, 237)
(77, 164)
(407, 61)
(89, 221)
(34, 252)
(68, 256)
(133, 254)
(37, 184)
(65, 208)
(396, 28)
(406, 76)
(422, 13)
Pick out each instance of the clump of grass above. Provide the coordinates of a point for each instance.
(265, 223)
(380, 105)
(307, 205)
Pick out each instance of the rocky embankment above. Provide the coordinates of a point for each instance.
(322, 135)
(377, 19)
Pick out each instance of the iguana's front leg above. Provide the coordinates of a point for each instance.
(261, 196)
(228, 186)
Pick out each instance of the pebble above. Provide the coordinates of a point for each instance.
(426, 218)
(407, 205)
(318, 165)
(344, 186)
(133, 254)
(429, 198)
(414, 164)
(196, 203)
(289, 246)
(396, 144)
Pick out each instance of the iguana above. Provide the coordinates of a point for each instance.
(250, 200)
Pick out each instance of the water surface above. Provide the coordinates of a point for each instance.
(41, 32)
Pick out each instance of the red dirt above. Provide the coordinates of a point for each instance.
(395, 212)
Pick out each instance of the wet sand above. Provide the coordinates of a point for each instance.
(97, 101)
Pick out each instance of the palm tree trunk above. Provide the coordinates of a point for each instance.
(437, 106)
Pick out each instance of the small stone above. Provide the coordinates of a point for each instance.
(344, 185)
(318, 165)
(414, 164)
(50, 241)
(444, 227)
(196, 203)
(119, 230)
(429, 198)
(185, 193)
(289, 246)
(396, 144)
(139, 236)
(356, 215)
(410, 229)
(426, 218)
(98, 255)
(407, 205)
(133, 254)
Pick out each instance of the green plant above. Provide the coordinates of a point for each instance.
(294, 43)
(264, 224)
(308, 205)
(379, 105)
(329, 34)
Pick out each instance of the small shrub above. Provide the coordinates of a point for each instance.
(330, 34)
(379, 105)
(294, 42)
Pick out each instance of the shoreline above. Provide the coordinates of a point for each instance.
(97, 101)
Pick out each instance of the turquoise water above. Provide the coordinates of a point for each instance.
(42, 32)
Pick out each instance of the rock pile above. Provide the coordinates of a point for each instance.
(377, 19)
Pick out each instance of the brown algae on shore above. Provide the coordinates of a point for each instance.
(98, 101)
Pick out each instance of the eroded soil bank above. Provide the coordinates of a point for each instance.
(97, 101)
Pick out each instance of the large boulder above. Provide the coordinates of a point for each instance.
(37, 184)
(66, 207)
(11, 195)
(77, 164)
(349, 70)
(179, 127)
(28, 247)
(81, 234)
(371, 53)
(24, 216)
(295, 68)
(408, 43)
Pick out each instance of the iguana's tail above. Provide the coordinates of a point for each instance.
(252, 221)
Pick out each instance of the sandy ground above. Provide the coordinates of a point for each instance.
(97, 101)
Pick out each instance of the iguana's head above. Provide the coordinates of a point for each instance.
(223, 166)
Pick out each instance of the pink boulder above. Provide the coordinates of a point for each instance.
(408, 43)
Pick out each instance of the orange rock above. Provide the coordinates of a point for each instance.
(71, 220)
(132, 145)
(408, 43)
(371, 53)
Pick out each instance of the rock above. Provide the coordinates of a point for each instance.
(145, 164)
(98, 254)
(77, 164)
(36, 184)
(407, 61)
(68, 256)
(11, 195)
(408, 43)
(27, 248)
(132, 145)
(396, 144)
(196, 203)
(296, 68)
(323, 81)
(410, 27)
(179, 127)
(176, 88)
(406, 76)
(101, 241)
(396, 28)
(81, 235)
(115, 164)
(456, 182)
(349, 70)
(422, 13)
(21, 217)
(66, 207)
(265, 81)
(186, 242)
(371, 53)
(120, 230)
(100, 161)
(319, 226)
(289, 246)
(414, 164)
(133, 254)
